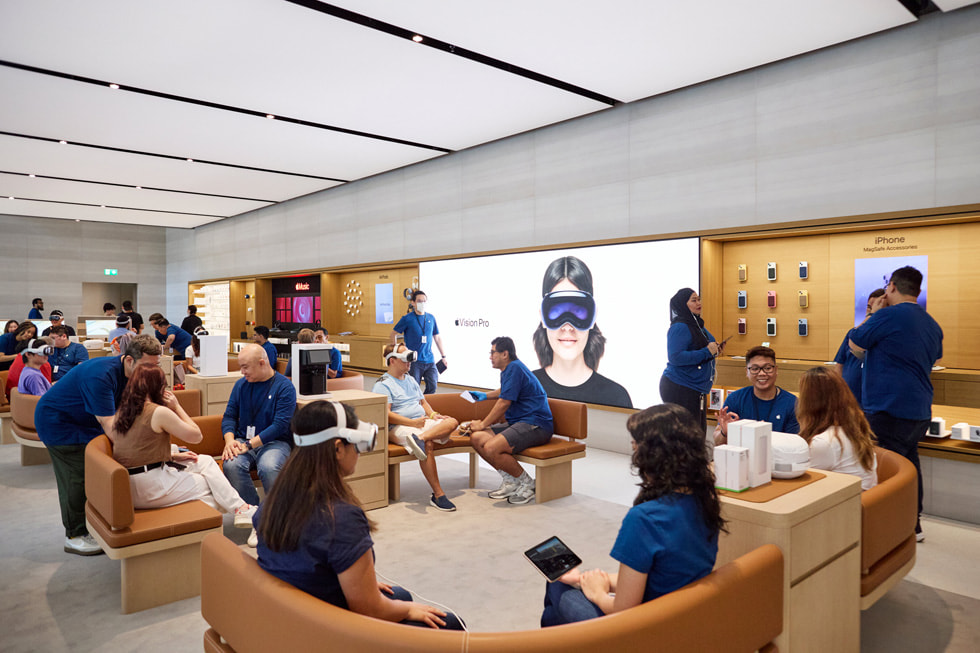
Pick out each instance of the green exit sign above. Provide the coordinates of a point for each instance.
(111, 272)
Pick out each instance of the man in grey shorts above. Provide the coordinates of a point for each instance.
(522, 402)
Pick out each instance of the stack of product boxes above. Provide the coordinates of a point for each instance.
(746, 461)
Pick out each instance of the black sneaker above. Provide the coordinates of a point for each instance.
(442, 503)
(415, 446)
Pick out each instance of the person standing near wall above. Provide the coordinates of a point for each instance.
(851, 367)
(421, 331)
(37, 305)
(899, 344)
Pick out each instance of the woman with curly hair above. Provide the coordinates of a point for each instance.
(668, 539)
(833, 424)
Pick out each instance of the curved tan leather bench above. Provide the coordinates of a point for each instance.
(32, 450)
(190, 401)
(888, 514)
(346, 381)
(553, 461)
(160, 549)
(707, 615)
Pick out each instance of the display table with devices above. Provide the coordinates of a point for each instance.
(950, 475)
(818, 528)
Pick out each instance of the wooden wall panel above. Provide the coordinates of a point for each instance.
(363, 323)
(787, 254)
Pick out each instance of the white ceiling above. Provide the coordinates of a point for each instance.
(350, 100)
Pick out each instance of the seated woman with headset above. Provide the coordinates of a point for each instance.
(312, 531)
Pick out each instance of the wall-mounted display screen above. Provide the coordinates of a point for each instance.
(590, 322)
(297, 310)
(99, 328)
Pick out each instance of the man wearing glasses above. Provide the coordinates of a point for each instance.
(763, 400)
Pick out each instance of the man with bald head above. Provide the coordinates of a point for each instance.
(256, 425)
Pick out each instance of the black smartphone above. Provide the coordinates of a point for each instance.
(552, 558)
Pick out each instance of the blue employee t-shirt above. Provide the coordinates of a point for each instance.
(851, 367)
(267, 405)
(7, 344)
(779, 411)
(903, 342)
(66, 413)
(404, 395)
(326, 548)
(182, 339)
(271, 352)
(528, 401)
(687, 367)
(667, 540)
(416, 329)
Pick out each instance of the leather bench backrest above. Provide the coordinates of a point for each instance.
(888, 510)
(346, 381)
(708, 615)
(107, 484)
(22, 409)
(190, 401)
(571, 418)
(450, 403)
(213, 441)
(4, 402)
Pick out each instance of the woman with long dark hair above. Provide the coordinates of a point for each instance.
(160, 474)
(568, 342)
(833, 424)
(668, 539)
(313, 533)
(691, 352)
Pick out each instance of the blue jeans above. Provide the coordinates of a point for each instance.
(564, 604)
(267, 459)
(401, 594)
(427, 371)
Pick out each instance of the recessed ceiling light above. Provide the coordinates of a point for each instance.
(63, 142)
(113, 85)
(190, 160)
(32, 175)
(101, 206)
(139, 188)
(270, 116)
(10, 198)
(417, 38)
(77, 220)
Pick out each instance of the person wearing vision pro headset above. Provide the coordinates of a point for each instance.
(312, 531)
(413, 423)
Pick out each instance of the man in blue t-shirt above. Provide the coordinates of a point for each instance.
(763, 400)
(75, 410)
(421, 331)
(899, 344)
(411, 421)
(522, 402)
(336, 366)
(37, 305)
(256, 426)
(260, 336)
(173, 338)
(66, 355)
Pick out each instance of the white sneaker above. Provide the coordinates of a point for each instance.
(83, 545)
(253, 539)
(524, 493)
(507, 488)
(243, 516)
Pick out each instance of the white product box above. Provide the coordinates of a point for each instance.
(731, 468)
(963, 431)
(716, 399)
(757, 438)
(214, 356)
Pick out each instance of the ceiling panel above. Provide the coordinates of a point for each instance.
(75, 162)
(21, 186)
(632, 49)
(283, 59)
(950, 5)
(96, 214)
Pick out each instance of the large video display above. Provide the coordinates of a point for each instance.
(590, 322)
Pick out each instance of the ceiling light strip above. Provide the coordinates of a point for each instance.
(108, 206)
(109, 148)
(222, 107)
(421, 39)
(162, 190)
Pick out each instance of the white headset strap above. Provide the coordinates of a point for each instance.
(326, 434)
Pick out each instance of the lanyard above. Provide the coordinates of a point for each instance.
(421, 320)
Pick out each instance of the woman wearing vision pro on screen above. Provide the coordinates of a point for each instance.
(691, 352)
(568, 343)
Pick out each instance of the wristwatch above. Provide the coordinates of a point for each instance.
(248, 445)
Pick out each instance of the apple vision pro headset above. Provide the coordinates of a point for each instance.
(363, 437)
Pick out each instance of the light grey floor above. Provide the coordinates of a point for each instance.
(52, 601)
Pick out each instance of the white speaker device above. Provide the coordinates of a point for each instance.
(757, 438)
(790, 455)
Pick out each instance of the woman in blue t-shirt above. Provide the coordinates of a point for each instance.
(668, 539)
(313, 533)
